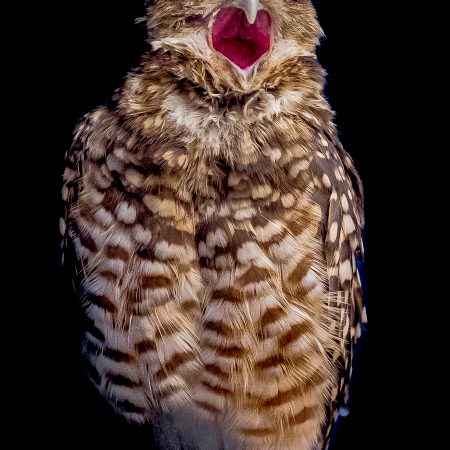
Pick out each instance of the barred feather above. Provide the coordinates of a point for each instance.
(214, 224)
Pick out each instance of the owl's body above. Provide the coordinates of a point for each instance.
(215, 226)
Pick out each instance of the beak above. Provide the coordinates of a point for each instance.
(251, 8)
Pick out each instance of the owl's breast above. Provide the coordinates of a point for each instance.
(206, 288)
(262, 334)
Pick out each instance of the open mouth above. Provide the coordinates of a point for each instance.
(242, 42)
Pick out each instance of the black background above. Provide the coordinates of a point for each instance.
(82, 57)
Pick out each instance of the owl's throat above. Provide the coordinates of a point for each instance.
(242, 42)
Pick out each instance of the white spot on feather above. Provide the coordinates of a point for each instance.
(114, 163)
(333, 231)
(323, 141)
(310, 280)
(248, 252)
(364, 315)
(165, 207)
(65, 193)
(164, 250)
(204, 251)
(217, 238)
(320, 155)
(154, 268)
(298, 167)
(134, 177)
(141, 235)
(267, 232)
(345, 271)
(126, 213)
(245, 213)
(261, 191)
(103, 217)
(62, 226)
(209, 275)
(286, 248)
(288, 200)
(344, 203)
(348, 224)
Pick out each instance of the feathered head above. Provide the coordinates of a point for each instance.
(233, 45)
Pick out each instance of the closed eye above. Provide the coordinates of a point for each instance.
(196, 19)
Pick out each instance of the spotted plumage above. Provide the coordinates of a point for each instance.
(214, 223)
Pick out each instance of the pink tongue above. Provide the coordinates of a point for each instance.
(238, 40)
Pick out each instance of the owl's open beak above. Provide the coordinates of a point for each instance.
(242, 33)
(250, 7)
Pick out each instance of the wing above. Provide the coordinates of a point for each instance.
(128, 236)
(70, 193)
(91, 137)
(343, 243)
(94, 252)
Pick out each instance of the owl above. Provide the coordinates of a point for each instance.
(213, 222)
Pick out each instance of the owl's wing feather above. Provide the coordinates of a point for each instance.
(70, 193)
(344, 252)
(92, 136)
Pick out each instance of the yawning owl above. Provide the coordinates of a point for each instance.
(214, 221)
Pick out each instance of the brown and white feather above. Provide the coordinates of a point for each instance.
(215, 224)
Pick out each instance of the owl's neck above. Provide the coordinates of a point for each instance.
(229, 132)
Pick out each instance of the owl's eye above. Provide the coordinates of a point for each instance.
(196, 19)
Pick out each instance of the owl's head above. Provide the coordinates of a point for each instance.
(236, 45)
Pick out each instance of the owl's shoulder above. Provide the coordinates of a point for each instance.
(94, 134)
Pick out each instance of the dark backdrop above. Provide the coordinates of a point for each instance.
(86, 53)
